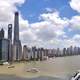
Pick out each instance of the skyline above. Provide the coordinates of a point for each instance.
(46, 23)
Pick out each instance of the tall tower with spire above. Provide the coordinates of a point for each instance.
(16, 27)
(16, 40)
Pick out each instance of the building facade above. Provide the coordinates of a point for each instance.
(2, 33)
(16, 40)
(4, 49)
(10, 39)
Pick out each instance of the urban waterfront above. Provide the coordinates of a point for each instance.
(39, 40)
(61, 68)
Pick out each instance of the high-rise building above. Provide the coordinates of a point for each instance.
(71, 50)
(2, 33)
(14, 52)
(33, 52)
(10, 32)
(16, 41)
(57, 52)
(67, 51)
(10, 55)
(75, 50)
(64, 52)
(41, 54)
(4, 46)
(16, 28)
(26, 53)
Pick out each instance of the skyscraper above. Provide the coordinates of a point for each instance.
(64, 51)
(4, 46)
(25, 53)
(16, 41)
(10, 44)
(16, 28)
(10, 32)
(2, 33)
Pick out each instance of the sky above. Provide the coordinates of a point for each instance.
(44, 23)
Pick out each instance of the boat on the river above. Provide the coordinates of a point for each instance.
(33, 70)
(11, 66)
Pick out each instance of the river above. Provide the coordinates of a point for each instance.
(60, 68)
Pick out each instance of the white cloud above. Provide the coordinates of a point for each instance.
(55, 19)
(46, 33)
(24, 24)
(51, 26)
(47, 30)
(28, 36)
(61, 43)
(75, 4)
(59, 32)
(43, 30)
(49, 9)
(77, 37)
(7, 9)
(75, 22)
